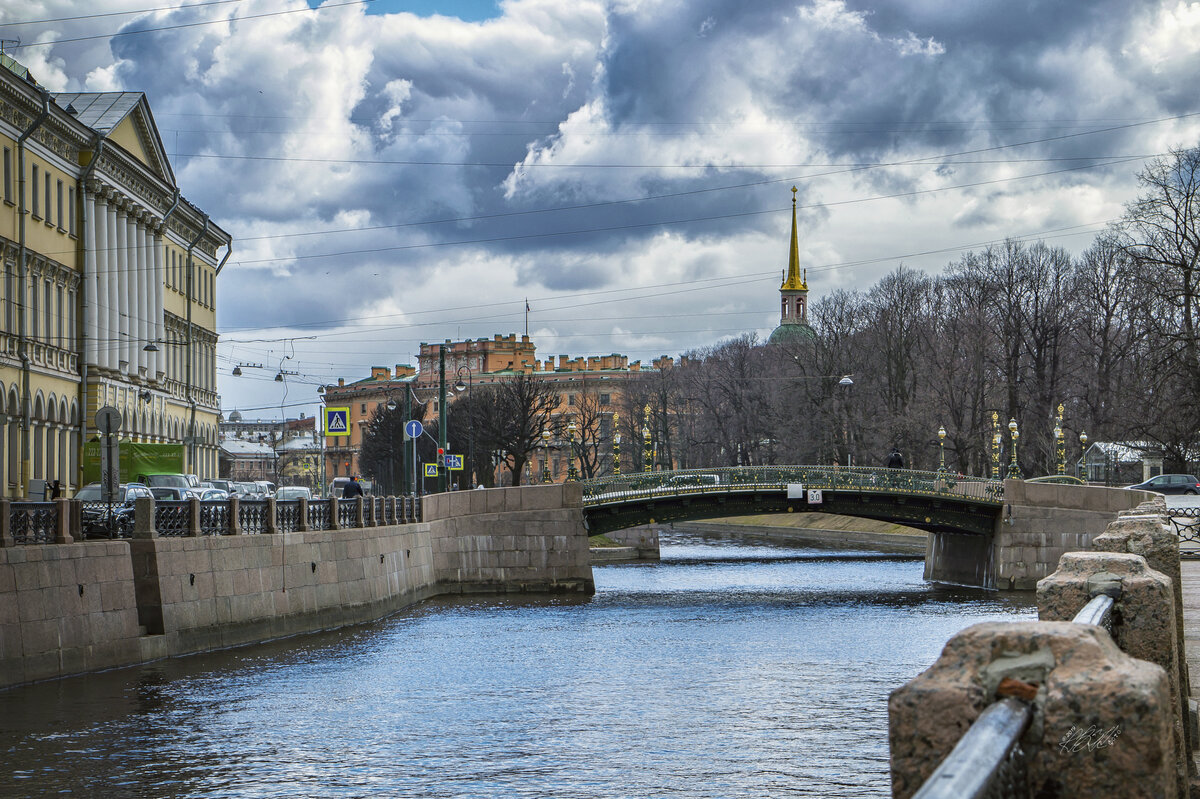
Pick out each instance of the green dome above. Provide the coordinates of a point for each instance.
(794, 332)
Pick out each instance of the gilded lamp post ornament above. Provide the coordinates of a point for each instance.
(648, 450)
(546, 463)
(942, 449)
(1060, 442)
(616, 445)
(996, 445)
(1014, 472)
(571, 473)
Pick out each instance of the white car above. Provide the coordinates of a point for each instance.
(293, 492)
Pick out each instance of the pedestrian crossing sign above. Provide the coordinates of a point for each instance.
(431, 470)
(337, 421)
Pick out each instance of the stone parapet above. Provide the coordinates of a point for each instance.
(1103, 721)
(1144, 611)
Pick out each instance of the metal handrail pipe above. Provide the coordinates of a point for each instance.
(980, 755)
(1097, 612)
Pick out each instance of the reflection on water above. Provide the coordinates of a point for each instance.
(728, 669)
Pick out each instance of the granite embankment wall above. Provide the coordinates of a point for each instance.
(74, 607)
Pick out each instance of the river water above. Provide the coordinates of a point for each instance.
(730, 669)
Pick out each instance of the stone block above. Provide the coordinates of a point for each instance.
(1145, 608)
(1083, 680)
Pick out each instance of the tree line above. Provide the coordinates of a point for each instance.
(1007, 332)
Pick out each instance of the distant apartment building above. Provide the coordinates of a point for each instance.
(109, 289)
(480, 362)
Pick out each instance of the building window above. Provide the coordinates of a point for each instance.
(8, 189)
(570, 399)
(33, 307)
(49, 183)
(606, 399)
(33, 199)
(58, 324)
(49, 311)
(71, 210)
(58, 200)
(363, 408)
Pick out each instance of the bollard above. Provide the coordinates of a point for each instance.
(1103, 723)
(1145, 608)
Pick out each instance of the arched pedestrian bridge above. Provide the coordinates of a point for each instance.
(983, 532)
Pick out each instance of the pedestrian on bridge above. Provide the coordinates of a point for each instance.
(895, 459)
(352, 489)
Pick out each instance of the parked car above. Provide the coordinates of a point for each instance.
(95, 510)
(224, 485)
(245, 490)
(1171, 484)
(293, 492)
(265, 487)
(214, 495)
(172, 493)
(167, 480)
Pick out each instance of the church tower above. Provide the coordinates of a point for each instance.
(793, 294)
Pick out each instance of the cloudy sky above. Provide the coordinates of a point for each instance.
(400, 171)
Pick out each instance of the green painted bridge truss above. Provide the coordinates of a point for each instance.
(930, 501)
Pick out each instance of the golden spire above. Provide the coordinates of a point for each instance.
(793, 281)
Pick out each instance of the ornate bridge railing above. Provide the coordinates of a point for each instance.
(1186, 522)
(723, 480)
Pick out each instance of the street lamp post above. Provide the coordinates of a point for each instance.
(572, 475)
(1060, 442)
(470, 421)
(442, 414)
(846, 383)
(942, 449)
(1083, 439)
(1014, 472)
(546, 463)
(616, 445)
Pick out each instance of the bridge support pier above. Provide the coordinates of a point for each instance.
(960, 559)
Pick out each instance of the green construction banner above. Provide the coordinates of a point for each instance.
(137, 457)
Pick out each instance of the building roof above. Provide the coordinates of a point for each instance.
(798, 331)
(100, 111)
(237, 448)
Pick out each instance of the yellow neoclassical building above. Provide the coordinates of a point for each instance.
(109, 288)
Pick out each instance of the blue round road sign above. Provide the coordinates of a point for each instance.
(413, 428)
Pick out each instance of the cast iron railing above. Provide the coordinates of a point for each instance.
(252, 516)
(172, 517)
(37, 522)
(348, 512)
(33, 522)
(214, 518)
(287, 515)
(731, 479)
(318, 515)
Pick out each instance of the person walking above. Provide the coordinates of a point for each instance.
(895, 459)
(352, 489)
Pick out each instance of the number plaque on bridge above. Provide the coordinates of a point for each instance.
(814, 496)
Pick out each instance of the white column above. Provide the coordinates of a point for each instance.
(133, 347)
(142, 312)
(158, 320)
(112, 342)
(90, 263)
(121, 306)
